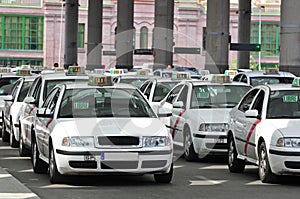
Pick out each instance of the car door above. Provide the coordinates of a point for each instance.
(251, 123)
(42, 123)
(177, 119)
(238, 119)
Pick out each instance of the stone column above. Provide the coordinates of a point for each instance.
(124, 37)
(163, 33)
(244, 28)
(94, 47)
(217, 22)
(289, 59)
(71, 32)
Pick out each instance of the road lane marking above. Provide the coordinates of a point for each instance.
(16, 158)
(5, 175)
(178, 143)
(215, 167)
(258, 182)
(17, 195)
(205, 181)
(178, 166)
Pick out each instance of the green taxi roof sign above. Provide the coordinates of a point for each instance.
(142, 72)
(181, 75)
(23, 72)
(100, 80)
(76, 70)
(5, 70)
(296, 82)
(220, 78)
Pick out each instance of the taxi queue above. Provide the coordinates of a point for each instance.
(73, 121)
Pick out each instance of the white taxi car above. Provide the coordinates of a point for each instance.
(7, 80)
(36, 95)
(264, 130)
(200, 114)
(136, 80)
(88, 129)
(270, 76)
(12, 108)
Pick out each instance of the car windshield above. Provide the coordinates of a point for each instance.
(104, 102)
(284, 104)
(270, 80)
(162, 89)
(6, 85)
(137, 82)
(49, 84)
(217, 96)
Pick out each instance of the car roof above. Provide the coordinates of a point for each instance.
(201, 82)
(263, 73)
(62, 75)
(82, 85)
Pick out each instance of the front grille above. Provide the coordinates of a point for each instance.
(216, 145)
(154, 163)
(118, 140)
(119, 164)
(83, 164)
(292, 165)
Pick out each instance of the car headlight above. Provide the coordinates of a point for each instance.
(78, 141)
(156, 141)
(221, 127)
(288, 142)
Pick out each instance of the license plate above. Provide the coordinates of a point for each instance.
(119, 156)
(221, 140)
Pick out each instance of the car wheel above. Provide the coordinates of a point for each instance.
(39, 166)
(235, 165)
(13, 142)
(264, 169)
(55, 176)
(164, 178)
(22, 149)
(5, 134)
(189, 152)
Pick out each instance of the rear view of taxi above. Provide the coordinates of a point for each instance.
(200, 115)
(265, 131)
(100, 128)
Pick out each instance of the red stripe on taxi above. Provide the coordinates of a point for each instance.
(249, 135)
(177, 121)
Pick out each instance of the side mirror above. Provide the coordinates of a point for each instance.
(8, 98)
(252, 114)
(29, 100)
(43, 112)
(178, 104)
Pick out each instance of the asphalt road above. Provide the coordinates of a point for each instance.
(208, 178)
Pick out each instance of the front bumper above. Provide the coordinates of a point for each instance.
(210, 142)
(100, 162)
(284, 161)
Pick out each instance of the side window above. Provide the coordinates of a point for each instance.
(15, 89)
(32, 88)
(37, 89)
(144, 86)
(183, 95)
(246, 101)
(258, 103)
(244, 79)
(148, 90)
(51, 100)
(237, 78)
(173, 94)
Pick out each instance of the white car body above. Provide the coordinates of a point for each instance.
(258, 124)
(35, 98)
(117, 142)
(186, 119)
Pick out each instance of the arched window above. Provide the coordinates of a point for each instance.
(144, 38)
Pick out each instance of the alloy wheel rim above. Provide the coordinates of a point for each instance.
(34, 155)
(231, 153)
(187, 144)
(262, 166)
(51, 164)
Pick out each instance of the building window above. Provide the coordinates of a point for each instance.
(81, 27)
(144, 38)
(20, 61)
(269, 37)
(21, 32)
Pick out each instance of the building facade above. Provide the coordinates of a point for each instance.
(32, 31)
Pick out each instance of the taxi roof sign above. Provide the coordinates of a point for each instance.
(181, 75)
(59, 69)
(76, 70)
(99, 71)
(220, 78)
(272, 71)
(230, 72)
(142, 72)
(100, 80)
(5, 70)
(118, 71)
(23, 72)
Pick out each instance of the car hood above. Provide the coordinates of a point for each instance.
(211, 115)
(288, 127)
(112, 126)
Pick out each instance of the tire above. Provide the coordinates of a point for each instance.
(23, 151)
(264, 169)
(235, 165)
(188, 147)
(164, 178)
(5, 134)
(55, 176)
(39, 166)
(13, 142)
